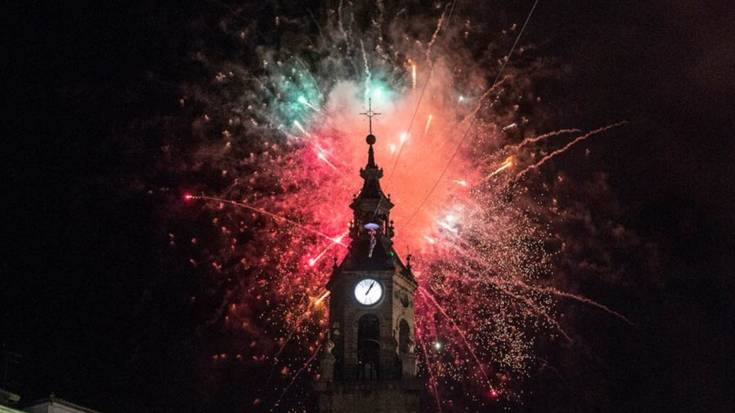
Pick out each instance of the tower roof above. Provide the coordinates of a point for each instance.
(371, 192)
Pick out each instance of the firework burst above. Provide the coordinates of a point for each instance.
(279, 146)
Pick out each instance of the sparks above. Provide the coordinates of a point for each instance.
(335, 241)
(302, 99)
(287, 169)
(323, 157)
(298, 125)
(450, 223)
(428, 123)
(321, 298)
(505, 165)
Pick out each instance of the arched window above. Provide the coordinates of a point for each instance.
(368, 347)
(404, 334)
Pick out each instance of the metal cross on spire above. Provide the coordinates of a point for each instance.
(370, 114)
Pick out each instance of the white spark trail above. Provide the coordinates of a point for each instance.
(538, 138)
(564, 148)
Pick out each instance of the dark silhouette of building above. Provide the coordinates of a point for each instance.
(52, 404)
(368, 363)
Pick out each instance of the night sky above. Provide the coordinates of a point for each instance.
(97, 306)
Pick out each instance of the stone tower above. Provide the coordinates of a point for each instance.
(368, 363)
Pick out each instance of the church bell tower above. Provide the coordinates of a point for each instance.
(368, 363)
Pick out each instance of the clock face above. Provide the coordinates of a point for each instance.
(368, 291)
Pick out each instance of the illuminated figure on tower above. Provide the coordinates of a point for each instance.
(369, 363)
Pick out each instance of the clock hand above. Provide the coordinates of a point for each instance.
(369, 288)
